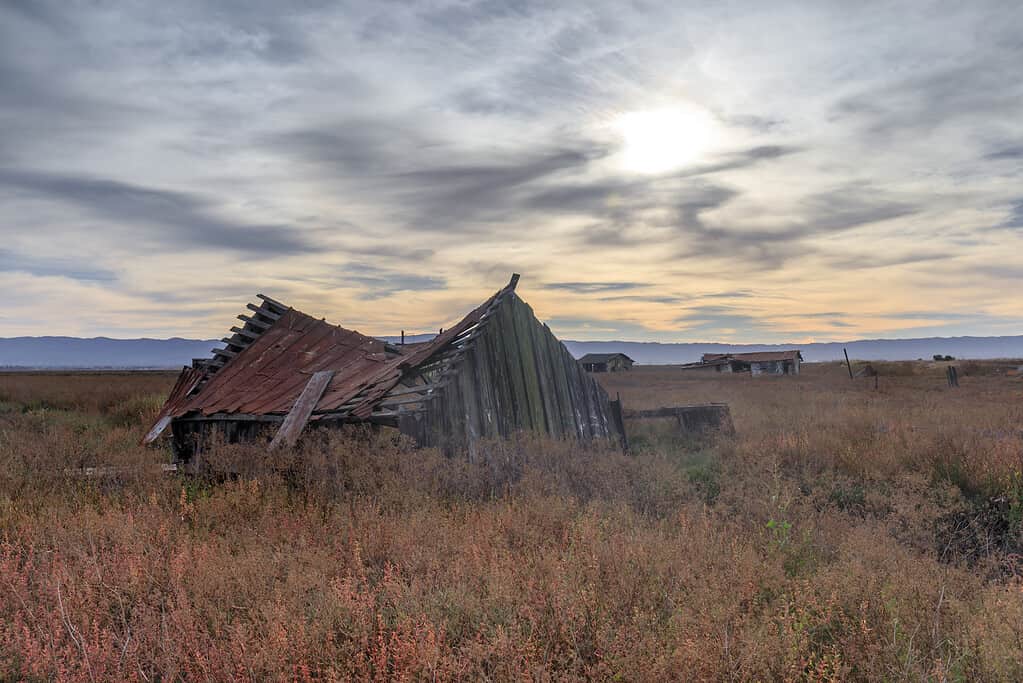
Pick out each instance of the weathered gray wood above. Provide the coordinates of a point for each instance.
(157, 429)
(418, 389)
(691, 419)
(263, 311)
(278, 307)
(245, 333)
(237, 340)
(226, 353)
(231, 417)
(408, 400)
(258, 324)
(300, 412)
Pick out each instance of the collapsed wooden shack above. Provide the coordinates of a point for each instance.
(498, 371)
(761, 363)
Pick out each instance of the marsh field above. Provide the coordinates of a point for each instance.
(843, 534)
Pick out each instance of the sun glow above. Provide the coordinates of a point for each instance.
(661, 140)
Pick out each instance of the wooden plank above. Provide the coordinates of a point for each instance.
(265, 312)
(231, 417)
(258, 324)
(545, 374)
(559, 368)
(300, 412)
(403, 401)
(249, 334)
(489, 400)
(418, 389)
(469, 387)
(523, 413)
(273, 304)
(527, 360)
(157, 429)
(504, 403)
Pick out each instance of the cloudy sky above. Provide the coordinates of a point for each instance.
(656, 171)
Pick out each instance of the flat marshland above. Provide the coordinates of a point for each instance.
(842, 534)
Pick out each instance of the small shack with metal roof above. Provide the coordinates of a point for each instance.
(760, 363)
(606, 362)
(496, 372)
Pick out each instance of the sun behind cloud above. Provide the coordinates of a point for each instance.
(662, 140)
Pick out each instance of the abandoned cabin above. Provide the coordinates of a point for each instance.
(606, 362)
(761, 363)
(498, 371)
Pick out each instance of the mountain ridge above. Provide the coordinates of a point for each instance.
(66, 352)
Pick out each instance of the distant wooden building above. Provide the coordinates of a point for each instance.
(761, 363)
(606, 362)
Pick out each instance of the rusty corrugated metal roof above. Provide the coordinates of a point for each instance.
(266, 375)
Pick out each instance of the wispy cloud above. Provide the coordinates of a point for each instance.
(594, 287)
(183, 220)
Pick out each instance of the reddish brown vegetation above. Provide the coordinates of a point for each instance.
(844, 534)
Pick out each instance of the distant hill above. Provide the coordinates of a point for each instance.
(103, 352)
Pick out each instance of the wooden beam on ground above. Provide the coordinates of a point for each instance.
(302, 410)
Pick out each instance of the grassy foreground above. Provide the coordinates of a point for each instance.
(844, 534)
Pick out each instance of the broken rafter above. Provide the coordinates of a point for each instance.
(249, 334)
(252, 322)
(226, 353)
(273, 304)
(264, 311)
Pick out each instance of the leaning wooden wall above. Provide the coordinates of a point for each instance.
(515, 375)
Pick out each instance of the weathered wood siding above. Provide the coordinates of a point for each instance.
(514, 376)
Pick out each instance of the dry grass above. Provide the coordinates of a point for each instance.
(842, 535)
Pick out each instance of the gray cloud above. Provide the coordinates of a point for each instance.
(875, 259)
(1010, 152)
(837, 210)
(13, 262)
(594, 287)
(378, 282)
(1015, 219)
(184, 220)
(740, 160)
(982, 87)
(710, 320)
(648, 299)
